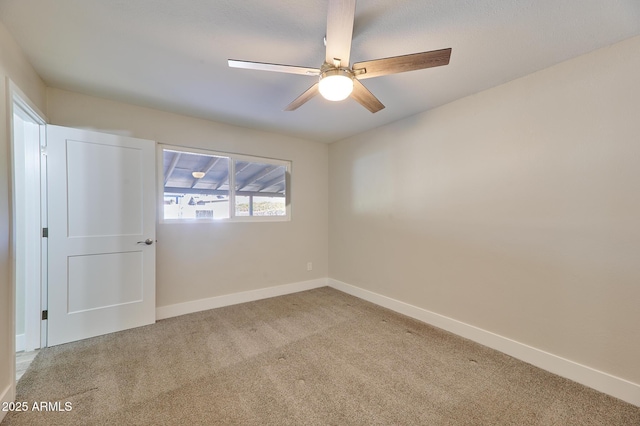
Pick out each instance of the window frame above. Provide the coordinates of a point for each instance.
(233, 157)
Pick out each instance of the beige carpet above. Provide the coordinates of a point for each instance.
(320, 357)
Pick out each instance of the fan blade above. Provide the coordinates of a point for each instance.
(340, 30)
(365, 97)
(397, 64)
(300, 100)
(262, 66)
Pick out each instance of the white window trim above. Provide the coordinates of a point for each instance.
(233, 157)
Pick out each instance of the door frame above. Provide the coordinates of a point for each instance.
(37, 295)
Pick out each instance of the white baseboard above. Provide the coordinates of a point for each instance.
(20, 342)
(598, 380)
(169, 311)
(7, 396)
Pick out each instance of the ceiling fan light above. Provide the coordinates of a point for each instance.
(336, 84)
(198, 175)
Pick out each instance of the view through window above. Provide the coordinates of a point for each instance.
(202, 185)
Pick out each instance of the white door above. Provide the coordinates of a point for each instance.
(101, 209)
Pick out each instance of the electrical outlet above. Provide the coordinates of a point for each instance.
(309, 266)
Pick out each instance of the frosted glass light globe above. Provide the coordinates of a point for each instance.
(335, 85)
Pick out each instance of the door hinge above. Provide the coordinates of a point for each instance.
(45, 232)
(45, 315)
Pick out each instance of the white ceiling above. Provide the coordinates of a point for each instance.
(172, 55)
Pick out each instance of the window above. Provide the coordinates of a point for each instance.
(260, 189)
(201, 185)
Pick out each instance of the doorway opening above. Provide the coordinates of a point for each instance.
(29, 219)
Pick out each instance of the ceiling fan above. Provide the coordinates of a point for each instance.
(337, 79)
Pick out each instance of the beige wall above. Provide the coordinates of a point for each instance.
(515, 210)
(15, 66)
(197, 261)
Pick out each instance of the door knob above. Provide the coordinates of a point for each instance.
(148, 242)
